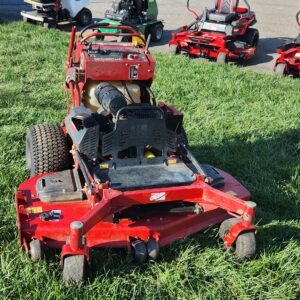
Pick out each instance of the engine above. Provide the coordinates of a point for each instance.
(127, 10)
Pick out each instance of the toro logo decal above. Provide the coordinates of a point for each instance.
(158, 196)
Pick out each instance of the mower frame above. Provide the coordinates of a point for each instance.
(138, 220)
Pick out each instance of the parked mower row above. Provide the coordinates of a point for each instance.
(223, 33)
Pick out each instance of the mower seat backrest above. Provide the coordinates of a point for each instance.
(225, 11)
(226, 6)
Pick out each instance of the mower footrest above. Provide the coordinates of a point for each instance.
(143, 176)
(60, 187)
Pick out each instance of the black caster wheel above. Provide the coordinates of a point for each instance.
(281, 70)
(139, 251)
(221, 58)
(152, 249)
(173, 50)
(245, 244)
(51, 25)
(36, 251)
(75, 269)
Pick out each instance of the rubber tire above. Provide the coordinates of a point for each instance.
(46, 150)
(245, 244)
(173, 50)
(221, 58)
(75, 269)
(226, 225)
(139, 251)
(36, 251)
(51, 25)
(281, 69)
(152, 249)
(251, 37)
(84, 17)
(154, 30)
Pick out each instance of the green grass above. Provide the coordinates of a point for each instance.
(244, 122)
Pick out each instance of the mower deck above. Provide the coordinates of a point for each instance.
(170, 225)
(209, 45)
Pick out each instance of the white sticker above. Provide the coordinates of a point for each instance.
(158, 196)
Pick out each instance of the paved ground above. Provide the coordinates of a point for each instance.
(276, 22)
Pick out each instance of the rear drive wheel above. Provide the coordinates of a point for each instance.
(173, 49)
(281, 69)
(245, 244)
(157, 31)
(84, 17)
(74, 269)
(46, 149)
(251, 37)
(221, 58)
(36, 251)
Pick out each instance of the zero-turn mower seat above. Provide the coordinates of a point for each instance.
(225, 11)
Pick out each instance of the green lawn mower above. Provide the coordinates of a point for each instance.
(140, 14)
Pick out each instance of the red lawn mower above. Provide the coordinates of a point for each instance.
(289, 61)
(222, 33)
(118, 172)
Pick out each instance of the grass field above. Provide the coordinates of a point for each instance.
(244, 122)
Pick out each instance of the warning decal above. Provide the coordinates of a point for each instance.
(158, 196)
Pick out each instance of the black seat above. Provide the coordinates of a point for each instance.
(225, 11)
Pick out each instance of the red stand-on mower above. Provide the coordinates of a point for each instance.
(118, 171)
(222, 33)
(289, 61)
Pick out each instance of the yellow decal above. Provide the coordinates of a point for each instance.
(34, 210)
(104, 166)
(172, 161)
(32, 2)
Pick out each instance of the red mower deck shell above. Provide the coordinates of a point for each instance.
(96, 215)
(209, 44)
(81, 225)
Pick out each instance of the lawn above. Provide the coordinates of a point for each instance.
(243, 122)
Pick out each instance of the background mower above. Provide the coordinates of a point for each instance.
(140, 14)
(222, 33)
(118, 172)
(289, 61)
(51, 12)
